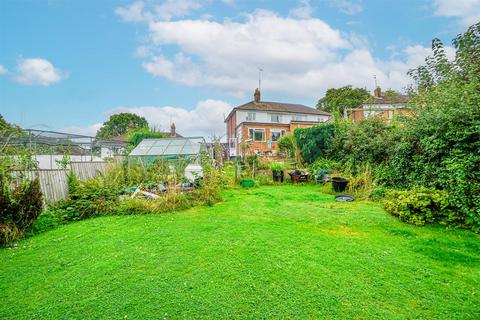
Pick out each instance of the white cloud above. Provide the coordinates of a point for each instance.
(134, 12)
(302, 57)
(3, 70)
(350, 7)
(468, 11)
(303, 11)
(37, 71)
(176, 8)
(137, 11)
(206, 119)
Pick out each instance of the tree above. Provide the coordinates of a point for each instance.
(391, 93)
(337, 99)
(120, 124)
(136, 136)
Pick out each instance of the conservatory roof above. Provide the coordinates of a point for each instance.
(169, 147)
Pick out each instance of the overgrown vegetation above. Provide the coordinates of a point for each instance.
(19, 207)
(436, 148)
(111, 194)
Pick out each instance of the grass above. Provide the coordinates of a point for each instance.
(269, 252)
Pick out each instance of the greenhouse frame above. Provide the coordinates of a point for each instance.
(150, 150)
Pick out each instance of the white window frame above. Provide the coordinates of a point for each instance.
(281, 131)
(251, 116)
(251, 134)
(275, 115)
(299, 118)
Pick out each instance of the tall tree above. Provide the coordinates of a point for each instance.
(337, 99)
(120, 124)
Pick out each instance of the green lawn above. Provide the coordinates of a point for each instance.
(269, 252)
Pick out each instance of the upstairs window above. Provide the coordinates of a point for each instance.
(251, 116)
(299, 118)
(275, 118)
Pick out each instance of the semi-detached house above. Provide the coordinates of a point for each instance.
(260, 124)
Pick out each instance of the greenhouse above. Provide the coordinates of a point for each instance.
(150, 150)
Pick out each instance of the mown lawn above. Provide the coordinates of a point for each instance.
(269, 252)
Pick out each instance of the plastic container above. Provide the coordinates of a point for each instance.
(339, 184)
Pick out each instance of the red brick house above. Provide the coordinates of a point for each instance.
(259, 124)
(380, 106)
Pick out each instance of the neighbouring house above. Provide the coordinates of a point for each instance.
(380, 106)
(256, 126)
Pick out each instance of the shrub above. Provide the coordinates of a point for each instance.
(287, 146)
(313, 142)
(277, 166)
(18, 208)
(422, 205)
(361, 142)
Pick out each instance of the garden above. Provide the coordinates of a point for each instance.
(252, 238)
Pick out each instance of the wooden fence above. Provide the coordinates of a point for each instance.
(54, 182)
(88, 170)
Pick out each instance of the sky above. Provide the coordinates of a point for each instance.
(68, 65)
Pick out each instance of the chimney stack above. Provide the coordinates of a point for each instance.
(377, 92)
(256, 95)
(172, 130)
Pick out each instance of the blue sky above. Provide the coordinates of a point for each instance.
(67, 65)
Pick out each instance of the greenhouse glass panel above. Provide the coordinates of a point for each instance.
(170, 148)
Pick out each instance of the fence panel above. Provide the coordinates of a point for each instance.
(53, 182)
(89, 169)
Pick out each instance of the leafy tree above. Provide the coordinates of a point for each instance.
(390, 93)
(313, 142)
(120, 124)
(337, 99)
(135, 137)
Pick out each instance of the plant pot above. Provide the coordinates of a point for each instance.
(339, 184)
(277, 175)
(298, 176)
(247, 183)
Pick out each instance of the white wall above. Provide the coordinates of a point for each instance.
(286, 118)
(51, 161)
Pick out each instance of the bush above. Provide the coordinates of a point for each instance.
(19, 208)
(313, 142)
(287, 146)
(361, 142)
(277, 166)
(422, 205)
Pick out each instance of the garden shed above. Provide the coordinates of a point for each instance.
(150, 150)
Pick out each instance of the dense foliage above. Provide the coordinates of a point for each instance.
(421, 205)
(337, 99)
(313, 142)
(111, 194)
(286, 145)
(136, 136)
(435, 152)
(120, 124)
(19, 207)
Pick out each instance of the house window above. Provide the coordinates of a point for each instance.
(251, 116)
(275, 134)
(299, 118)
(275, 118)
(257, 135)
